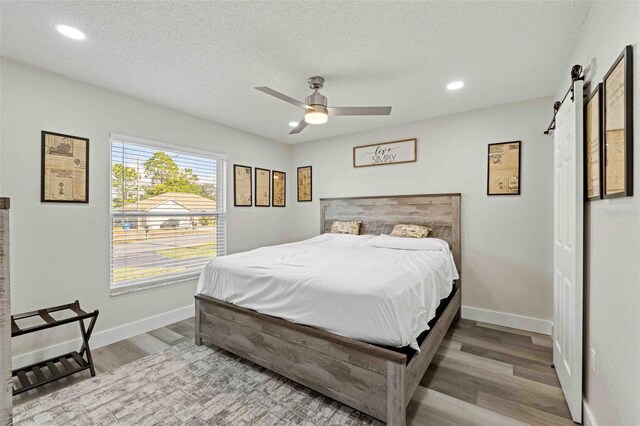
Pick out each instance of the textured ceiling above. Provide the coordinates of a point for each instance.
(204, 58)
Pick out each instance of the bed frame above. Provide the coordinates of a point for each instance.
(370, 378)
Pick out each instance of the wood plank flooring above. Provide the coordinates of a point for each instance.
(483, 374)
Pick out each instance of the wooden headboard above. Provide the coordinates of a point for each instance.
(379, 214)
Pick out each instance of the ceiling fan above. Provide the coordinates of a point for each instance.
(315, 106)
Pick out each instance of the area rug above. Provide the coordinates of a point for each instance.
(188, 385)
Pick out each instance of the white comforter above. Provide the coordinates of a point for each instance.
(338, 283)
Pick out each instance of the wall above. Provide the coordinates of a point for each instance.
(612, 269)
(61, 252)
(506, 240)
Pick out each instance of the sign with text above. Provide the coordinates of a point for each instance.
(381, 154)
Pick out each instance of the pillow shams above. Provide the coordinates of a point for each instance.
(351, 227)
(410, 231)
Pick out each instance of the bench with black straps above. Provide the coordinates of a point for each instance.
(47, 371)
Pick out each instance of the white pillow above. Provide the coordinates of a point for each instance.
(400, 243)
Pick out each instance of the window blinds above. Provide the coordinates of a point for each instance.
(167, 212)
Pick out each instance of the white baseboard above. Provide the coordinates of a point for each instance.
(106, 337)
(507, 320)
(116, 334)
(587, 415)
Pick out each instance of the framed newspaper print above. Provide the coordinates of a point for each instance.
(263, 189)
(618, 127)
(304, 183)
(381, 154)
(279, 188)
(64, 174)
(503, 170)
(242, 186)
(593, 145)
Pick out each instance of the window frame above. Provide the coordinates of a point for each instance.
(220, 213)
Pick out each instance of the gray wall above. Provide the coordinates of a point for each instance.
(506, 240)
(612, 270)
(59, 252)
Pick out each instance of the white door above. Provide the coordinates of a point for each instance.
(567, 253)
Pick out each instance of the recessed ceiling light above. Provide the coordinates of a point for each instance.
(455, 85)
(293, 123)
(70, 32)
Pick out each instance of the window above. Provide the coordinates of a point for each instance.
(167, 213)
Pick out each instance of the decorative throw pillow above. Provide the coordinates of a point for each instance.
(346, 227)
(410, 231)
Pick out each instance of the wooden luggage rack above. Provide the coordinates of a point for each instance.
(55, 368)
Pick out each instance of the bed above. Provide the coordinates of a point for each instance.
(347, 353)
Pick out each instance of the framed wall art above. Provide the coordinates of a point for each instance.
(381, 154)
(593, 145)
(304, 183)
(503, 168)
(279, 188)
(262, 192)
(242, 186)
(618, 127)
(64, 173)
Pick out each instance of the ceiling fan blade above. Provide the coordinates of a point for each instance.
(359, 111)
(282, 96)
(301, 125)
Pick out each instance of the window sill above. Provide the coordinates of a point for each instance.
(135, 287)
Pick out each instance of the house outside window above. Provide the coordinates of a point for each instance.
(167, 212)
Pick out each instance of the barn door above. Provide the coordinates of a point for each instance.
(568, 249)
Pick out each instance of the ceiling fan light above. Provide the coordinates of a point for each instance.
(317, 115)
